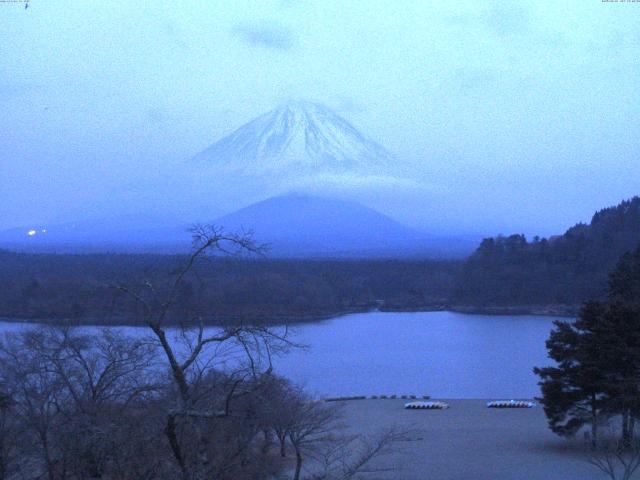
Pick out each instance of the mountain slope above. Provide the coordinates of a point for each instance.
(298, 138)
(303, 224)
(293, 225)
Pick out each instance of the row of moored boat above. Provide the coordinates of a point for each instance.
(493, 404)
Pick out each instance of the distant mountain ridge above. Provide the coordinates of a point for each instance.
(298, 224)
(293, 225)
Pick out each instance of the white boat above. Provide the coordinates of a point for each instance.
(510, 404)
(426, 405)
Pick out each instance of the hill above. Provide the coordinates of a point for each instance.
(563, 271)
(295, 225)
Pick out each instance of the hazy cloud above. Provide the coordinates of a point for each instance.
(500, 18)
(507, 19)
(265, 35)
(470, 78)
(176, 34)
(14, 89)
(349, 182)
(348, 104)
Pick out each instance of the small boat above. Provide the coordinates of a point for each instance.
(510, 404)
(426, 405)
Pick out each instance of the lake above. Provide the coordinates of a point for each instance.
(441, 354)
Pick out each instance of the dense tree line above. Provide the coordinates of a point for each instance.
(81, 287)
(562, 270)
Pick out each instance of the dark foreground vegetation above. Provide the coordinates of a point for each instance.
(76, 406)
(505, 275)
(183, 403)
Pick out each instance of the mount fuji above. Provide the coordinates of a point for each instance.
(297, 224)
(292, 175)
(299, 144)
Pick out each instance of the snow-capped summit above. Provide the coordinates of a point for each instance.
(298, 138)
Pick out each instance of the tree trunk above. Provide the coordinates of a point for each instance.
(626, 432)
(296, 476)
(3, 460)
(283, 445)
(594, 422)
(176, 369)
(172, 437)
(266, 443)
(47, 456)
(180, 379)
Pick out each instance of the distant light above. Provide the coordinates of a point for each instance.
(44, 230)
(31, 233)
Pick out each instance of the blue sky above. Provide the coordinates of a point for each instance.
(514, 115)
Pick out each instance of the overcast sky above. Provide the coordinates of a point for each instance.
(515, 115)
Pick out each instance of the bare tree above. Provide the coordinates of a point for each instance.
(348, 456)
(312, 427)
(9, 436)
(618, 458)
(193, 356)
(315, 432)
(73, 395)
(103, 375)
(37, 393)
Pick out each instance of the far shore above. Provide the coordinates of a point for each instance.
(561, 311)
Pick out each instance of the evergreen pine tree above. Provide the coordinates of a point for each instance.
(574, 392)
(598, 360)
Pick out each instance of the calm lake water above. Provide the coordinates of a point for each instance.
(442, 354)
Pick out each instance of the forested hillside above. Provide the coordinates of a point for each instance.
(82, 287)
(562, 270)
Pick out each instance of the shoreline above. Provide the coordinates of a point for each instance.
(562, 311)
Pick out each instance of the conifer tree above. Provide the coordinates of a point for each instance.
(597, 375)
(574, 391)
